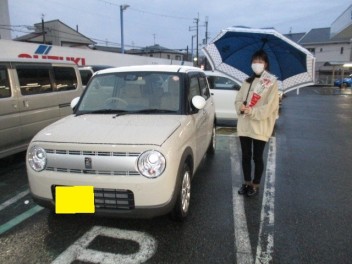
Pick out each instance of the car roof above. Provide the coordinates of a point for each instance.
(95, 67)
(33, 61)
(153, 68)
(217, 73)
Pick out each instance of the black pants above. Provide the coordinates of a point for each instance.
(258, 148)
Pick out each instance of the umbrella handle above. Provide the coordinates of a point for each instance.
(244, 103)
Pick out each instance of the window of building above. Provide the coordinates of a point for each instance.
(321, 49)
(312, 50)
(341, 51)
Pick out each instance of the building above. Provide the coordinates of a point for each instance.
(5, 29)
(158, 52)
(56, 33)
(59, 34)
(331, 46)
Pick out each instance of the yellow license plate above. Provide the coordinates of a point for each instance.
(74, 199)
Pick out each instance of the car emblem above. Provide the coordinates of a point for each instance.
(88, 163)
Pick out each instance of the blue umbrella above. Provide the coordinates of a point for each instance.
(231, 51)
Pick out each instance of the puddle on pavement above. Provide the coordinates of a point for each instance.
(334, 91)
(226, 131)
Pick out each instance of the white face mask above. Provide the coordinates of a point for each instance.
(258, 68)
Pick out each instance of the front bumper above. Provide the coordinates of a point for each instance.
(136, 212)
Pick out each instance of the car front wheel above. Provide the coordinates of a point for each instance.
(180, 210)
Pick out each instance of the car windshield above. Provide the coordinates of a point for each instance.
(132, 92)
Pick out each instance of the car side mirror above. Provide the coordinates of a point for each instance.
(198, 102)
(74, 102)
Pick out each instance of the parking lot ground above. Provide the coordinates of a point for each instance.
(311, 207)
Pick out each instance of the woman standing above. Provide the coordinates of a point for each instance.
(257, 104)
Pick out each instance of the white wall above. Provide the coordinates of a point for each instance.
(331, 52)
(15, 49)
(4, 20)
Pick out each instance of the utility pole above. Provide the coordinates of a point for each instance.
(206, 40)
(196, 28)
(196, 21)
(43, 29)
(206, 30)
(122, 8)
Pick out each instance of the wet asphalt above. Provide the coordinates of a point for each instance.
(312, 200)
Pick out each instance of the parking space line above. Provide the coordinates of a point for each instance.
(20, 218)
(79, 250)
(243, 247)
(13, 199)
(265, 247)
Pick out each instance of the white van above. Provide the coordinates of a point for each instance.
(33, 94)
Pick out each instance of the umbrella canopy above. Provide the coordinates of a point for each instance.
(231, 52)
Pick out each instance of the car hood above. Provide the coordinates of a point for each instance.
(111, 129)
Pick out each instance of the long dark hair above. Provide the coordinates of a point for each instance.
(260, 54)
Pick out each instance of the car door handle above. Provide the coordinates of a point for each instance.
(25, 103)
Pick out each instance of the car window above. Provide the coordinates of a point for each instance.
(170, 99)
(5, 90)
(65, 78)
(204, 87)
(222, 83)
(133, 91)
(193, 87)
(85, 75)
(100, 90)
(34, 80)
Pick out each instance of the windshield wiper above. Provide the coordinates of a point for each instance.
(104, 111)
(152, 111)
(123, 112)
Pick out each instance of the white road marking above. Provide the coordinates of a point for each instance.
(243, 246)
(79, 250)
(13, 199)
(265, 247)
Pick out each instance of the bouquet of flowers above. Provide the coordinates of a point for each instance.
(266, 80)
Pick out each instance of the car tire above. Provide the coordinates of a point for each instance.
(181, 208)
(212, 145)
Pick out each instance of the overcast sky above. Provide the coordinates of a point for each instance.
(170, 23)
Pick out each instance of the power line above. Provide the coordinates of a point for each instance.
(148, 12)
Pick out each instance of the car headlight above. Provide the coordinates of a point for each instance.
(151, 163)
(37, 158)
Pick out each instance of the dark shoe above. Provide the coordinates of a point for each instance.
(252, 191)
(243, 189)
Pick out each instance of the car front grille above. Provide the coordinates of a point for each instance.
(92, 162)
(113, 199)
(109, 198)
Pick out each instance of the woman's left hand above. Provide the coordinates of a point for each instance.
(247, 110)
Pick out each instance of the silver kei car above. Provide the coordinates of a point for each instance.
(137, 135)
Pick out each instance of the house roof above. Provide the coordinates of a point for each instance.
(323, 35)
(296, 37)
(153, 49)
(50, 26)
(316, 35)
